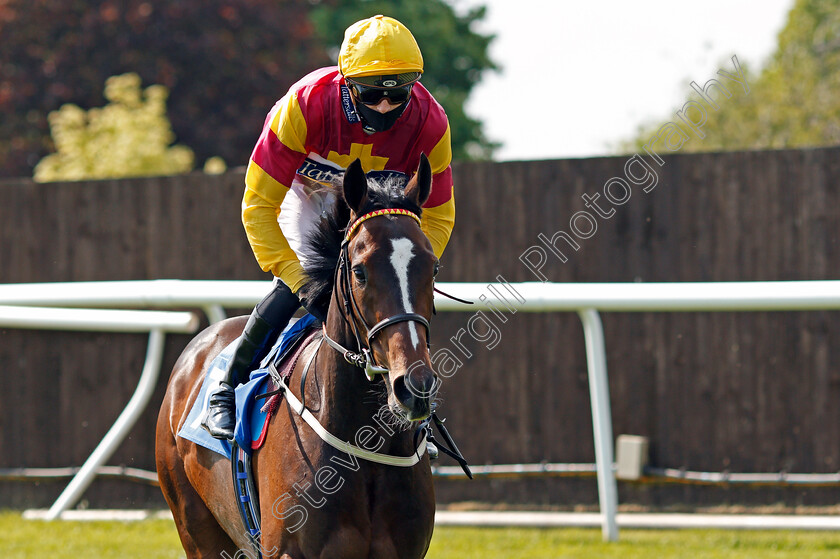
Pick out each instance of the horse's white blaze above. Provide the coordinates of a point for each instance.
(400, 259)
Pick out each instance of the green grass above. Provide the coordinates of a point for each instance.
(153, 539)
(474, 543)
(30, 539)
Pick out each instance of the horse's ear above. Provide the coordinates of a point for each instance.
(420, 186)
(355, 186)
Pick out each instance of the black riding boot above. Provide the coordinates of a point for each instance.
(221, 413)
(266, 322)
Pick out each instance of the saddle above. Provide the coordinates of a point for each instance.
(251, 414)
(263, 400)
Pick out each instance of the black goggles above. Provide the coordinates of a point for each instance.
(373, 95)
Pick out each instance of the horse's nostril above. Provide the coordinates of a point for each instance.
(415, 389)
(414, 395)
(401, 391)
(422, 385)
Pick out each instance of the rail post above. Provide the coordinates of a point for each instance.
(599, 394)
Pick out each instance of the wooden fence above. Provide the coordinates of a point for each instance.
(743, 392)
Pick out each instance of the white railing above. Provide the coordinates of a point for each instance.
(156, 323)
(210, 296)
(584, 299)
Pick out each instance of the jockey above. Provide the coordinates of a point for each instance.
(371, 107)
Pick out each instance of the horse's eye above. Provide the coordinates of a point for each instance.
(360, 274)
(437, 267)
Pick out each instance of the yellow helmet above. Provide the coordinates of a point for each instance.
(379, 45)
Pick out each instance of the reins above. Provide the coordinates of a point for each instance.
(454, 298)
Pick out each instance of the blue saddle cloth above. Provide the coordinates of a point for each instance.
(250, 418)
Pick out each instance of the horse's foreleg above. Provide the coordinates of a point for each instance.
(200, 533)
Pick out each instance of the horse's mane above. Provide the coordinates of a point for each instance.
(324, 243)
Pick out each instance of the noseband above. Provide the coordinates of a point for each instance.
(364, 358)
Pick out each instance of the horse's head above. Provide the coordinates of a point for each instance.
(385, 282)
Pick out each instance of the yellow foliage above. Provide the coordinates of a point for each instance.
(215, 166)
(129, 137)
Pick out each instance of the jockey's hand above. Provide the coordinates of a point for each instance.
(313, 307)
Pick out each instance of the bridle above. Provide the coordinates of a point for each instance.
(364, 358)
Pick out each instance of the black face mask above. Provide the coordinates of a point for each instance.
(374, 121)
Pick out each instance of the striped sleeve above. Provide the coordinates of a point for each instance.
(439, 210)
(437, 224)
(276, 157)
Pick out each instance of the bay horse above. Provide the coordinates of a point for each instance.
(377, 277)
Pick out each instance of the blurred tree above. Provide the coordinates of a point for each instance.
(454, 55)
(224, 63)
(129, 137)
(793, 101)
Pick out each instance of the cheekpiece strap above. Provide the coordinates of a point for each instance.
(367, 216)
